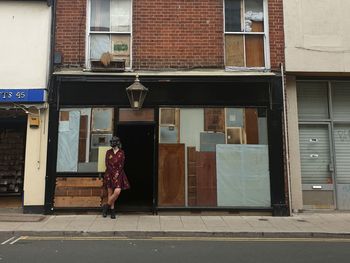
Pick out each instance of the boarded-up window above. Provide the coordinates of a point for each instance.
(244, 33)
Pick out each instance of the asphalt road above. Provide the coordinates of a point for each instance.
(168, 250)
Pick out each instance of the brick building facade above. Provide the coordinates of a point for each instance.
(214, 92)
(166, 34)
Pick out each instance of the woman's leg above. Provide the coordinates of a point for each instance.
(113, 196)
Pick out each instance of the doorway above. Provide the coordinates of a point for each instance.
(138, 145)
(12, 156)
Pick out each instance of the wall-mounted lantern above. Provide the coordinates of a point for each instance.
(136, 93)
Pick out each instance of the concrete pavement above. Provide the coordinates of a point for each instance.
(305, 225)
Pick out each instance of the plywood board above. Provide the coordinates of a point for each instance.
(78, 182)
(214, 119)
(167, 116)
(234, 135)
(77, 201)
(257, 26)
(83, 131)
(136, 115)
(101, 165)
(77, 191)
(254, 49)
(251, 126)
(171, 175)
(206, 179)
(191, 176)
(234, 50)
(209, 140)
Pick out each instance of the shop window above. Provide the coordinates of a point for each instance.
(83, 135)
(109, 33)
(217, 157)
(245, 34)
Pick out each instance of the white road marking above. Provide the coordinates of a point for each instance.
(8, 240)
(15, 240)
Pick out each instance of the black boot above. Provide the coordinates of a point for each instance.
(113, 213)
(104, 210)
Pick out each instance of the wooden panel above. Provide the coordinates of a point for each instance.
(171, 175)
(206, 179)
(254, 45)
(257, 26)
(78, 191)
(83, 131)
(191, 176)
(78, 182)
(167, 116)
(214, 119)
(64, 116)
(251, 126)
(136, 115)
(234, 50)
(234, 135)
(74, 201)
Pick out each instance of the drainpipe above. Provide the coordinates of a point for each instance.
(285, 128)
(48, 186)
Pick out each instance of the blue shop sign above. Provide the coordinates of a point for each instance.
(22, 95)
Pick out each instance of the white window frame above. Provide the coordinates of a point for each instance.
(89, 32)
(266, 39)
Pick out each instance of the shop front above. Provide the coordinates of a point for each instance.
(200, 142)
(22, 116)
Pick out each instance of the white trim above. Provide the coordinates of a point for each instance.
(265, 35)
(87, 35)
(110, 33)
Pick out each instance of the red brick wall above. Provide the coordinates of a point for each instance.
(166, 34)
(70, 31)
(178, 34)
(276, 33)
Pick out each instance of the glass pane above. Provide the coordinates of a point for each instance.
(102, 119)
(99, 20)
(68, 141)
(120, 15)
(233, 16)
(254, 16)
(312, 100)
(254, 48)
(341, 100)
(121, 47)
(99, 44)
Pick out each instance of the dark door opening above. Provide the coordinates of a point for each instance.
(12, 155)
(138, 145)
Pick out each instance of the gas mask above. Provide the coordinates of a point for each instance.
(115, 142)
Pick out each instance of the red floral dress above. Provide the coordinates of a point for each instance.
(115, 176)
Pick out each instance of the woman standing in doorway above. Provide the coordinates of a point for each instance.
(114, 179)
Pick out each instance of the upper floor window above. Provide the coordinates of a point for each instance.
(245, 34)
(110, 30)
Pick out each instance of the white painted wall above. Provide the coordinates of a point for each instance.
(24, 46)
(35, 161)
(293, 143)
(317, 35)
(24, 53)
